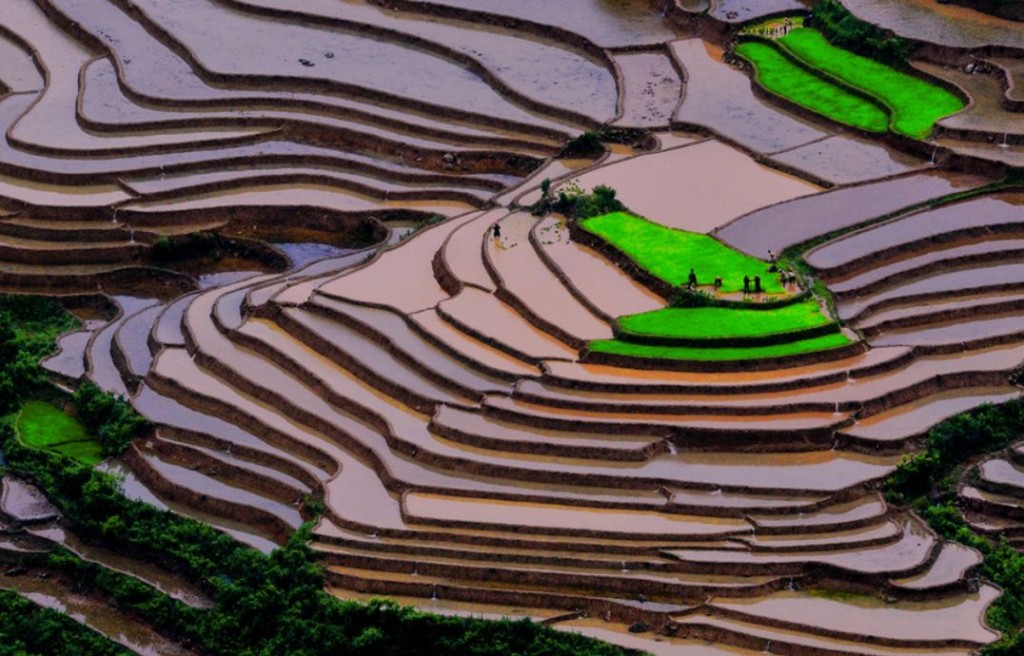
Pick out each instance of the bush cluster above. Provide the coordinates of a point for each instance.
(110, 419)
(847, 31)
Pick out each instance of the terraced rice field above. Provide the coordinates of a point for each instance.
(483, 443)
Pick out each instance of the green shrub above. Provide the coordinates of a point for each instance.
(111, 419)
(847, 31)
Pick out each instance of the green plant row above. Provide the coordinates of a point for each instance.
(915, 104)
(783, 77)
(704, 354)
(669, 254)
(710, 327)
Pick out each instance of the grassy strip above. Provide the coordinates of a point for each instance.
(44, 426)
(916, 104)
(669, 254)
(720, 322)
(617, 347)
(782, 77)
(927, 482)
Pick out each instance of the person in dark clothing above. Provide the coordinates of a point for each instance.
(746, 284)
(496, 229)
(691, 280)
(757, 284)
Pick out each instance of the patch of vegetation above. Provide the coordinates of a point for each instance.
(576, 203)
(916, 105)
(587, 146)
(111, 419)
(669, 254)
(712, 323)
(776, 73)
(44, 426)
(847, 31)
(29, 326)
(618, 347)
(927, 482)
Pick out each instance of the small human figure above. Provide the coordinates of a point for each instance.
(691, 280)
(718, 282)
(496, 229)
(746, 284)
(771, 256)
(757, 284)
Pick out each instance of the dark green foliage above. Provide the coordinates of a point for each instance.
(983, 430)
(586, 145)
(927, 483)
(111, 419)
(845, 30)
(29, 326)
(27, 629)
(575, 203)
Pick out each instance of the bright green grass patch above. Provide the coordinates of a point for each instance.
(782, 77)
(916, 104)
(669, 254)
(616, 347)
(88, 453)
(44, 426)
(724, 322)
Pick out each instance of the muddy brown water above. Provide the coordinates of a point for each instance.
(944, 24)
(652, 89)
(24, 502)
(741, 11)
(786, 224)
(719, 97)
(607, 23)
(718, 183)
(849, 160)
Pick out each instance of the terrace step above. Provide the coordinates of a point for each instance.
(597, 283)
(949, 570)
(411, 263)
(939, 311)
(992, 249)
(69, 361)
(752, 635)
(689, 428)
(36, 251)
(130, 348)
(912, 554)
(485, 432)
(956, 622)
(583, 580)
(478, 354)
(488, 319)
(203, 430)
(894, 428)
(605, 378)
(966, 282)
(272, 518)
(1001, 476)
(913, 233)
(525, 283)
(954, 336)
(395, 333)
